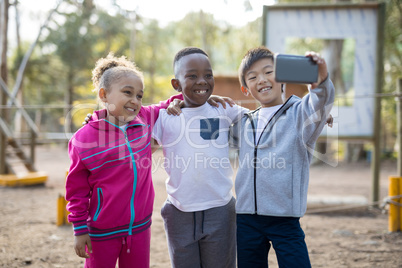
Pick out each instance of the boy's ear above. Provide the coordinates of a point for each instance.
(176, 84)
(102, 94)
(245, 91)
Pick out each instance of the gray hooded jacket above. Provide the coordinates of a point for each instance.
(273, 173)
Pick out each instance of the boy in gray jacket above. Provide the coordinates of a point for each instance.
(275, 143)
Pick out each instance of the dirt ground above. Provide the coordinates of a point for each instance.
(29, 236)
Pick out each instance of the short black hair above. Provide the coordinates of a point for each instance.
(187, 51)
(250, 58)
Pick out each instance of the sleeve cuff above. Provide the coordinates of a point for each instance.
(80, 228)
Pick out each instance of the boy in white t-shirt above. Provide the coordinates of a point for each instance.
(199, 213)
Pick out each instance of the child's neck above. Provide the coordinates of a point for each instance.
(270, 105)
(114, 120)
(187, 105)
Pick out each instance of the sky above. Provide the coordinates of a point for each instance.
(34, 12)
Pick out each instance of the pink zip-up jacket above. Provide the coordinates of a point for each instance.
(109, 184)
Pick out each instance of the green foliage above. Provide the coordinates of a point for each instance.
(73, 42)
(63, 61)
(233, 45)
(392, 69)
(162, 88)
(110, 33)
(79, 111)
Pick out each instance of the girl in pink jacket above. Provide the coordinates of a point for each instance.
(109, 184)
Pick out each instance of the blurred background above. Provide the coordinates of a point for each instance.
(49, 49)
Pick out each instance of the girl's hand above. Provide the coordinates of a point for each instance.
(174, 107)
(322, 67)
(79, 245)
(214, 100)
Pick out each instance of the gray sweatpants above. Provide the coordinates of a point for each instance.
(204, 239)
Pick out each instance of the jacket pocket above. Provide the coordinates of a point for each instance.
(100, 203)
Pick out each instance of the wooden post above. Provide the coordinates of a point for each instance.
(32, 147)
(399, 124)
(399, 140)
(375, 160)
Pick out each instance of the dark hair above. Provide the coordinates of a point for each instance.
(250, 58)
(187, 51)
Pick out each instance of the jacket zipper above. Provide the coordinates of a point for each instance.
(254, 165)
(132, 209)
(132, 217)
(255, 150)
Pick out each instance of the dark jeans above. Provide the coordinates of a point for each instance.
(255, 234)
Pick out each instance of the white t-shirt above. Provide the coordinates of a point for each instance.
(196, 155)
(264, 115)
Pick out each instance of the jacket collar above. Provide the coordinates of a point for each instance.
(99, 122)
(289, 102)
(253, 115)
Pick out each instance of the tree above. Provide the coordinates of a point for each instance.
(392, 69)
(197, 29)
(3, 74)
(74, 43)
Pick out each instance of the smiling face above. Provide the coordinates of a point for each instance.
(261, 84)
(123, 99)
(194, 78)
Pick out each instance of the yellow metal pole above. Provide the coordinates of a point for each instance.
(65, 212)
(60, 211)
(65, 202)
(394, 211)
(400, 204)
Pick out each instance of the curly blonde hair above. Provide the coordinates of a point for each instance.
(110, 68)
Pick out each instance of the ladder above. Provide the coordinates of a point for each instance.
(19, 167)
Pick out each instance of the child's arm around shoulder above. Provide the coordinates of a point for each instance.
(214, 100)
(152, 111)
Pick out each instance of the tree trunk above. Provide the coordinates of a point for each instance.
(69, 100)
(203, 32)
(4, 31)
(3, 73)
(333, 53)
(18, 122)
(133, 37)
(152, 71)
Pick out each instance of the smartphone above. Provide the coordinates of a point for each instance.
(295, 69)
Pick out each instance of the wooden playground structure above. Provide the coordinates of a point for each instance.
(17, 168)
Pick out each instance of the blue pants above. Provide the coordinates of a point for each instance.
(255, 234)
